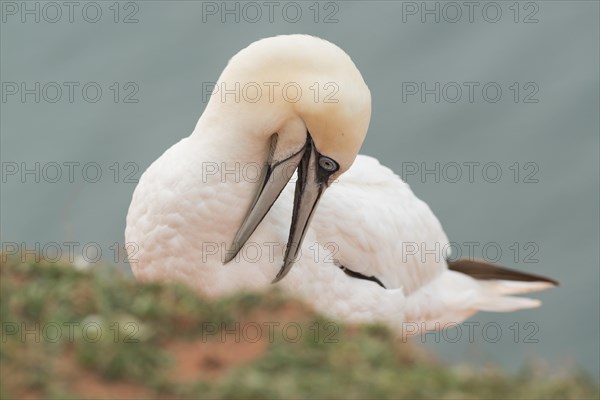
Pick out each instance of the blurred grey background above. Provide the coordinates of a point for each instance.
(153, 59)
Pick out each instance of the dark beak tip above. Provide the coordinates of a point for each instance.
(227, 259)
(282, 272)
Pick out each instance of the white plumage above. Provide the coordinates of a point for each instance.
(189, 204)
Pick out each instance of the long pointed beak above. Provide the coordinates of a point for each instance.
(309, 188)
(310, 185)
(275, 176)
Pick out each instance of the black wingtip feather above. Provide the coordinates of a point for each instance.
(483, 270)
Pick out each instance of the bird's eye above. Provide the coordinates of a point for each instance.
(328, 164)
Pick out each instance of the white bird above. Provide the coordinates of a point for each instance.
(219, 212)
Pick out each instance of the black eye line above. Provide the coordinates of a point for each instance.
(324, 174)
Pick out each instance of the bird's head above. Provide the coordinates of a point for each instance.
(304, 100)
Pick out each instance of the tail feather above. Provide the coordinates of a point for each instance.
(506, 303)
(471, 286)
(503, 288)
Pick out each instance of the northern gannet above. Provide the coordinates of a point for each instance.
(220, 210)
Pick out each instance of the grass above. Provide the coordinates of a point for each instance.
(99, 334)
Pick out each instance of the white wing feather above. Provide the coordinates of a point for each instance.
(375, 225)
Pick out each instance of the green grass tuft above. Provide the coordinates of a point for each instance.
(100, 334)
